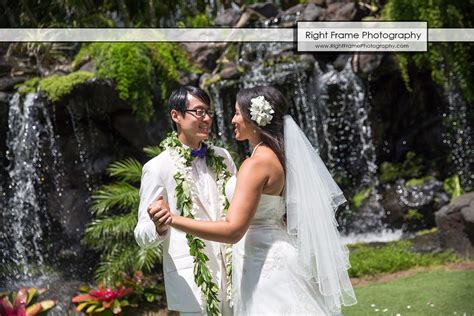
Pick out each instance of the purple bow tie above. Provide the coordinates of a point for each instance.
(200, 153)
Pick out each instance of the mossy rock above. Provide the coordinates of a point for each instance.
(55, 87)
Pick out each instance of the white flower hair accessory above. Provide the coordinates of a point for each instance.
(261, 111)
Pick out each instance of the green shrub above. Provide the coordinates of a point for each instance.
(391, 257)
(110, 232)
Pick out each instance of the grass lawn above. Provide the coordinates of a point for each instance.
(437, 292)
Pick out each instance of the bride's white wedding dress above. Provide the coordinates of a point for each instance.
(265, 267)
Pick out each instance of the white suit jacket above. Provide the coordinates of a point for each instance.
(182, 293)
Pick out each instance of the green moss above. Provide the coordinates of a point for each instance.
(417, 181)
(411, 167)
(57, 87)
(137, 68)
(413, 215)
(207, 82)
(422, 232)
(392, 257)
(441, 59)
(360, 197)
(29, 86)
(452, 186)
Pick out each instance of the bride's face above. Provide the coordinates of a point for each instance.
(242, 127)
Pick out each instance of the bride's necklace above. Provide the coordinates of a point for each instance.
(255, 148)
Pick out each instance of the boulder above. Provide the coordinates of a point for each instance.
(312, 12)
(228, 17)
(340, 11)
(267, 10)
(205, 55)
(455, 223)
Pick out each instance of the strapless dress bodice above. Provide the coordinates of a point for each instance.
(270, 209)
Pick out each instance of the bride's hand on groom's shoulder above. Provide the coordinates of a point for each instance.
(160, 214)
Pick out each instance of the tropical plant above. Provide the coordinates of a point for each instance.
(137, 69)
(146, 289)
(24, 303)
(102, 301)
(114, 211)
(444, 60)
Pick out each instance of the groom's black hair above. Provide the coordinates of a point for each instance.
(178, 100)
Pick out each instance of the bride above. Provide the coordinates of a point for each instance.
(287, 257)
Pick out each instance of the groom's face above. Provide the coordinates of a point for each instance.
(191, 124)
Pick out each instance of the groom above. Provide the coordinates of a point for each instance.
(192, 118)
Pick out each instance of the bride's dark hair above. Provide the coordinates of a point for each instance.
(272, 133)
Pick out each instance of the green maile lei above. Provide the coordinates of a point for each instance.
(186, 198)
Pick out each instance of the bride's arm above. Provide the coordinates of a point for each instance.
(251, 179)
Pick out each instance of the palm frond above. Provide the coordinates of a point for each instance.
(116, 227)
(126, 170)
(118, 259)
(147, 257)
(152, 151)
(119, 194)
(126, 258)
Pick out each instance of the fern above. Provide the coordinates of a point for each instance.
(152, 151)
(119, 194)
(126, 170)
(123, 258)
(110, 232)
(113, 227)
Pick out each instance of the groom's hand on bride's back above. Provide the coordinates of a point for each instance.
(160, 215)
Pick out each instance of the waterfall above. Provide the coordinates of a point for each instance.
(458, 134)
(332, 108)
(343, 108)
(31, 145)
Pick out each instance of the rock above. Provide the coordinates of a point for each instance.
(341, 61)
(312, 12)
(320, 3)
(8, 83)
(456, 225)
(341, 11)
(4, 109)
(268, 9)
(426, 243)
(4, 68)
(328, 2)
(205, 54)
(295, 9)
(364, 64)
(394, 208)
(230, 72)
(228, 17)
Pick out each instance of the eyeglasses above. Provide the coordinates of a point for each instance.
(202, 112)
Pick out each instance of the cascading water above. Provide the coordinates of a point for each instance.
(332, 108)
(458, 135)
(343, 108)
(26, 223)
